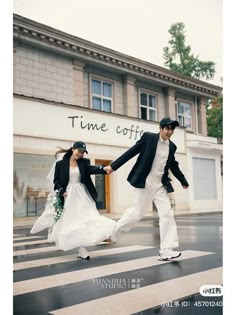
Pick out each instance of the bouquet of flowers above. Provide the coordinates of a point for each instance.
(58, 206)
(52, 213)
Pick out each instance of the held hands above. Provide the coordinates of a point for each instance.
(108, 169)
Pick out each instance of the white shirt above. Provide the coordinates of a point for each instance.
(160, 158)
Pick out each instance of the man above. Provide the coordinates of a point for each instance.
(150, 178)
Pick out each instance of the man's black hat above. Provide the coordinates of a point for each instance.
(80, 146)
(168, 122)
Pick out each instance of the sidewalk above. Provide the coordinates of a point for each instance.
(27, 222)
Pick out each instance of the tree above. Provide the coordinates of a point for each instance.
(180, 59)
(215, 118)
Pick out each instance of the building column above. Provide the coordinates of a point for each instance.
(78, 82)
(169, 93)
(201, 113)
(130, 103)
(14, 66)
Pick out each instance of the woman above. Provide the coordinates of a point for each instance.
(80, 223)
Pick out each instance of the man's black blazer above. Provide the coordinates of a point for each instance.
(146, 147)
(61, 177)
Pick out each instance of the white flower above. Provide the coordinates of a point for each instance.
(53, 206)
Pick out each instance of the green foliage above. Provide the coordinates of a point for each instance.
(58, 205)
(179, 58)
(215, 118)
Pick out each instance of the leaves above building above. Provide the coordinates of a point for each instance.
(179, 58)
(215, 118)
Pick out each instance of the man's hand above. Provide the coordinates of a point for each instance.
(185, 187)
(65, 194)
(108, 169)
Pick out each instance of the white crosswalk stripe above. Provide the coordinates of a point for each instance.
(67, 258)
(39, 250)
(30, 243)
(26, 238)
(35, 250)
(42, 283)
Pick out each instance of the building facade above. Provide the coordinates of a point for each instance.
(68, 89)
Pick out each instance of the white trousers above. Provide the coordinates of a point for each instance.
(153, 191)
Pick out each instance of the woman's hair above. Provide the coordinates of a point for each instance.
(67, 151)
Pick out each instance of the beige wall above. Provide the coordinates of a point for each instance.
(170, 102)
(202, 121)
(180, 195)
(43, 74)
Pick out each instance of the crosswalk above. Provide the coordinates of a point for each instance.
(66, 258)
(116, 280)
(143, 298)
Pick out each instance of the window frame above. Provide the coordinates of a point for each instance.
(185, 102)
(152, 93)
(102, 97)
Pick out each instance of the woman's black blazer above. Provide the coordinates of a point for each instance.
(61, 177)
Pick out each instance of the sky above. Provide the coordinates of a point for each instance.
(138, 28)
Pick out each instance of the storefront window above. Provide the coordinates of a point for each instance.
(30, 185)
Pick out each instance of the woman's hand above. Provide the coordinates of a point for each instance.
(108, 169)
(65, 194)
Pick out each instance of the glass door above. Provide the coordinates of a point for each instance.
(102, 184)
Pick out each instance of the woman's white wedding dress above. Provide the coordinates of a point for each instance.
(80, 223)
